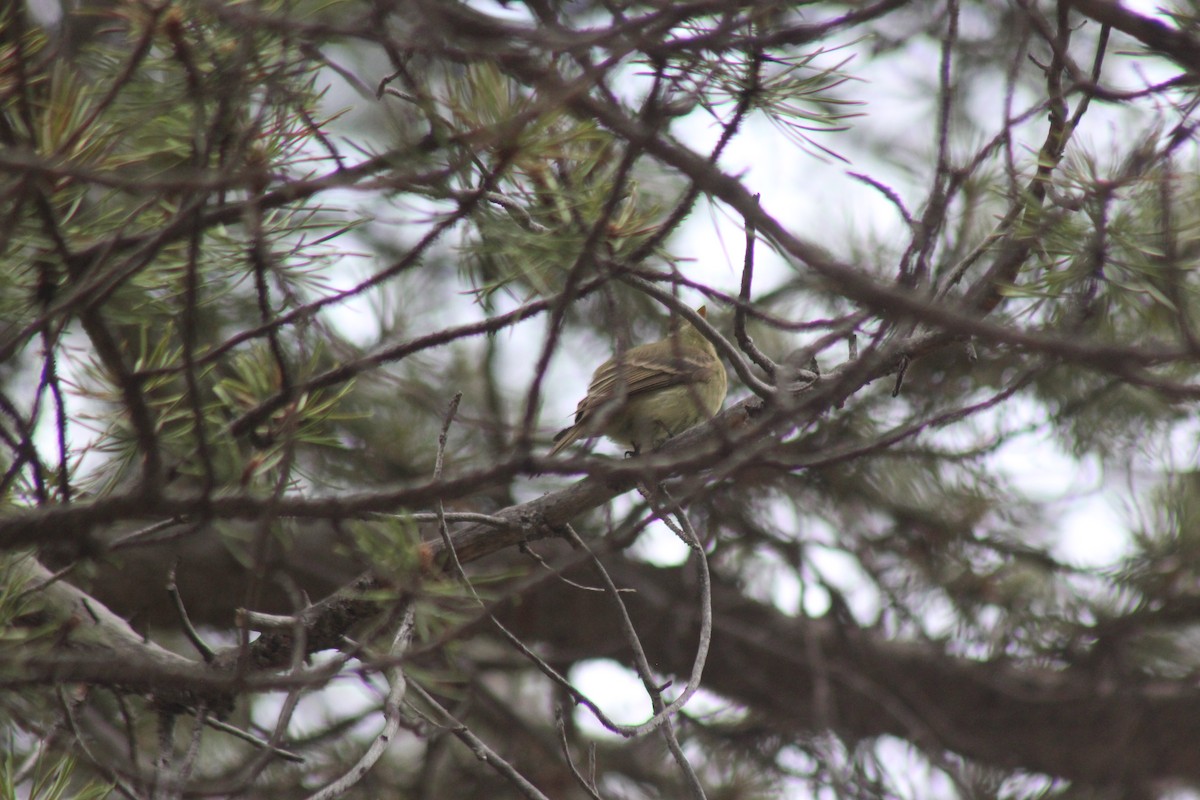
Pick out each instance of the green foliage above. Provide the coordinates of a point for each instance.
(15, 602)
(391, 544)
(137, 111)
(52, 778)
(532, 230)
(798, 94)
(1105, 250)
(1167, 555)
(29, 770)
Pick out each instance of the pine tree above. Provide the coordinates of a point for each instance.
(293, 297)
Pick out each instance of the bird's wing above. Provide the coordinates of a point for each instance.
(633, 375)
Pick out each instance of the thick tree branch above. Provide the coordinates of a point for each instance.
(1175, 44)
(1072, 722)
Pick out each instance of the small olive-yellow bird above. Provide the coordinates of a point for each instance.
(651, 392)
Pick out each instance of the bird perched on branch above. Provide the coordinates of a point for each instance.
(651, 392)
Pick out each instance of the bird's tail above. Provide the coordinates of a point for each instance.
(564, 438)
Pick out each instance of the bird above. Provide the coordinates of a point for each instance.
(642, 397)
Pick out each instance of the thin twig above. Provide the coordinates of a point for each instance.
(452, 516)
(189, 758)
(185, 621)
(105, 766)
(739, 313)
(443, 529)
(887, 192)
(250, 738)
(558, 574)
(588, 786)
(640, 659)
(161, 786)
(392, 716)
(146, 535)
(668, 728)
(484, 753)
